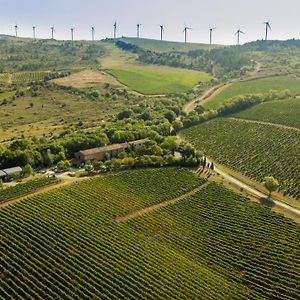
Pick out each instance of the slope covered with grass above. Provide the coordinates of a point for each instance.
(257, 86)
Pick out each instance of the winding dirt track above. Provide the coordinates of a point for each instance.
(266, 123)
(143, 211)
(255, 192)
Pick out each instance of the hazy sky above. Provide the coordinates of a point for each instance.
(226, 15)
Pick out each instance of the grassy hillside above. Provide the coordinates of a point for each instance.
(167, 46)
(47, 55)
(158, 79)
(47, 110)
(285, 112)
(185, 251)
(256, 86)
(253, 149)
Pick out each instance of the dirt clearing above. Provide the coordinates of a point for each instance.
(86, 79)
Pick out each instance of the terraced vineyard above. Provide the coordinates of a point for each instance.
(255, 150)
(25, 77)
(23, 189)
(66, 244)
(285, 112)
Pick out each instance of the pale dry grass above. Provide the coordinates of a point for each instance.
(86, 79)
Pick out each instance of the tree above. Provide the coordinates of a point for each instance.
(48, 158)
(177, 125)
(170, 115)
(27, 170)
(63, 165)
(99, 166)
(1, 184)
(271, 184)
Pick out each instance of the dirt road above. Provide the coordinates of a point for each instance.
(254, 191)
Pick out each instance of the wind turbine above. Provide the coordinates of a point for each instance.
(185, 32)
(72, 34)
(239, 31)
(162, 29)
(115, 30)
(52, 32)
(16, 29)
(93, 33)
(138, 25)
(210, 34)
(33, 31)
(268, 26)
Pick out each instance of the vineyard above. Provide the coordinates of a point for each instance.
(257, 86)
(255, 150)
(65, 244)
(236, 238)
(26, 188)
(285, 112)
(25, 77)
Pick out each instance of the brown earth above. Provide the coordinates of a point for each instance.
(86, 79)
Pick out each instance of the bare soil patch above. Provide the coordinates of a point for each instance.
(86, 79)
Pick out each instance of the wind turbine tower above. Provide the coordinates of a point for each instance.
(115, 30)
(238, 33)
(52, 32)
(72, 34)
(210, 34)
(33, 31)
(138, 26)
(93, 33)
(185, 30)
(16, 30)
(268, 27)
(162, 30)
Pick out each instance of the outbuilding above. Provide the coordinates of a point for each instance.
(100, 153)
(10, 172)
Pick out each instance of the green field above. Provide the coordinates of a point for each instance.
(255, 150)
(167, 46)
(256, 86)
(65, 244)
(285, 112)
(23, 189)
(158, 79)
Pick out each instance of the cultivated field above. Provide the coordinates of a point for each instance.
(158, 79)
(148, 79)
(253, 149)
(26, 188)
(285, 112)
(255, 86)
(215, 245)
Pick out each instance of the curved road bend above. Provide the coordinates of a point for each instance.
(254, 191)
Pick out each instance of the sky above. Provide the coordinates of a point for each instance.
(226, 15)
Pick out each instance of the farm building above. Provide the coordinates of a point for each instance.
(101, 152)
(6, 173)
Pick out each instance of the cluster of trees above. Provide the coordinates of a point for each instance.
(232, 105)
(220, 62)
(150, 154)
(157, 121)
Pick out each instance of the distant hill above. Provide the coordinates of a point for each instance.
(166, 46)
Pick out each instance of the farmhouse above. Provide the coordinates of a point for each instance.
(6, 173)
(100, 153)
